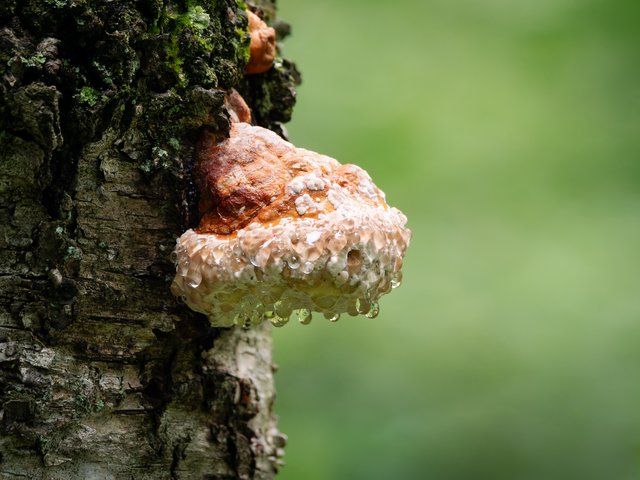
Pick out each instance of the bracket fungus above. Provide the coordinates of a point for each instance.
(284, 231)
(262, 47)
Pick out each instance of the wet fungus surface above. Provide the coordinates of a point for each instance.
(262, 48)
(285, 231)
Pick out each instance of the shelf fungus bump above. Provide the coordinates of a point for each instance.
(283, 232)
(262, 48)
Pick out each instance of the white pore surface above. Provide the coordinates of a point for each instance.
(330, 265)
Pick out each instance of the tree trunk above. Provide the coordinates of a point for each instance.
(103, 375)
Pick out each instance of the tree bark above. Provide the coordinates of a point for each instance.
(103, 375)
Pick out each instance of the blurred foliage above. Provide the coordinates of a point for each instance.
(509, 133)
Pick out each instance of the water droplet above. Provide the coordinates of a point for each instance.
(342, 278)
(278, 321)
(282, 309)
(362, 306)
(373, 312)
(304, 316)
(173, 256)
(275, 266)
(307, 268)
(182, 267)
(332, 317)
(194, 280)
(237, 263)
(396, 280)
(378, 239)
(217, 253)
(293, 262)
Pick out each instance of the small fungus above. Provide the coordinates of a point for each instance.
(284, 231)
(262, 49)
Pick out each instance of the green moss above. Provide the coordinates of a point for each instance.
(85, 405)
(197, 18)
(201, 43)
(82, 403)
(197, 22)
(243, 44)
(104, 72)
(57, 3)
(174, 61)
(85, 399)
(89, 96)
(74, 253)
(34, 60)
(98, 406)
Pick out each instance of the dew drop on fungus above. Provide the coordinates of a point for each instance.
(342, 277)
(373, 312)
(293, 262)
(194, 279)
(307, 268)
(362, 306)
(396, 280)
(278, 321)
(182, 268)
(332, 317)
(304, 316)
(282, 308)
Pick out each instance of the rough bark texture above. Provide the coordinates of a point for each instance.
(103, 375)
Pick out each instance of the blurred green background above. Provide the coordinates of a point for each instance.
(509, 134)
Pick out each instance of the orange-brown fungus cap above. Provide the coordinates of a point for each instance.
(285, 230)
(262, 50)
(236, 106)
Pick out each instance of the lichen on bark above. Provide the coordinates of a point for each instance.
(102, 373)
